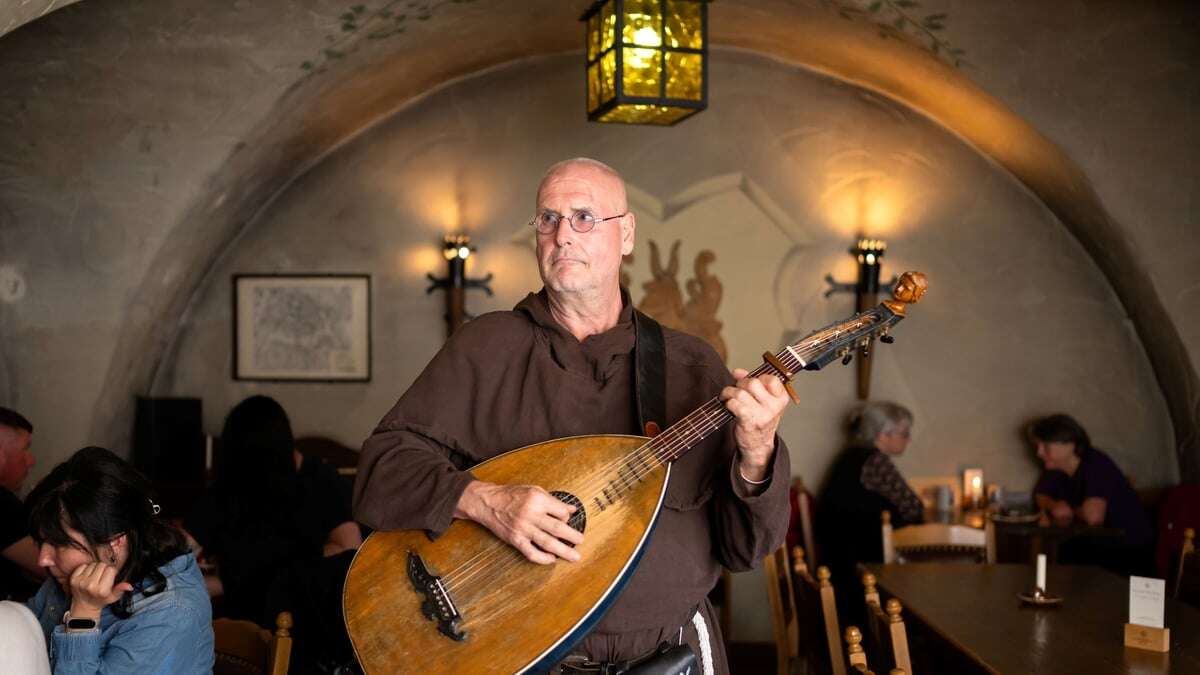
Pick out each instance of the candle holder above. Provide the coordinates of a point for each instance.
(1039, 598)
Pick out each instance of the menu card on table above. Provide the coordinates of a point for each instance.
(1146, 599)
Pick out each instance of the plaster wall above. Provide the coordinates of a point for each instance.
(1018, 322)
(1115, 84)
(114, 117)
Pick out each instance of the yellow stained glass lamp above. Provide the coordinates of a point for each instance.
(647, 60)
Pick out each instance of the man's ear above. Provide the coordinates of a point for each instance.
(628, 227)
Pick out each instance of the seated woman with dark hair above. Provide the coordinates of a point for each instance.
(269, 509)
(861, 485)
(1083, 484)
(125, 594)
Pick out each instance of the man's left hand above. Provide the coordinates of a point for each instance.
(758, 404)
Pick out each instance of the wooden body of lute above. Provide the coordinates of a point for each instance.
(516, 615)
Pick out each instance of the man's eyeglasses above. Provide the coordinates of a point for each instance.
(547, 222)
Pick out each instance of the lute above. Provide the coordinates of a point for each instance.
(469, 603)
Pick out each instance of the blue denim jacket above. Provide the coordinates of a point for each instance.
(168, 633)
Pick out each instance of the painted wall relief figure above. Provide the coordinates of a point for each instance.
(664, 301)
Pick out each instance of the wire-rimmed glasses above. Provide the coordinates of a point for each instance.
(582, 222)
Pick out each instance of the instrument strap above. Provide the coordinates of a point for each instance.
(650, 373)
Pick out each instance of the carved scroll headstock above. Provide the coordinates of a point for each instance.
(843, 339)
(909, 289)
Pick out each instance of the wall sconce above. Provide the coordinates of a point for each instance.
(869, 253)
(456, 248)
(647, 60)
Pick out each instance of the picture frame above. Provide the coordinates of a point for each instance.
(302, 327)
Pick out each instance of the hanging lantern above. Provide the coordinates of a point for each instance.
(646, 60)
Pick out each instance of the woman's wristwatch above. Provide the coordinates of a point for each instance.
(76, 625)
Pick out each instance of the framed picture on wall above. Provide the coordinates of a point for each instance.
(302, 327)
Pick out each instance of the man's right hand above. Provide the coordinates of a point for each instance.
(530, 519)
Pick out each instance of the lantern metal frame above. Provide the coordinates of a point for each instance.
(619, 45)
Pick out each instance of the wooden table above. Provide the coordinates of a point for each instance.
(1023, 541)
(1020, 542)
(967, 619)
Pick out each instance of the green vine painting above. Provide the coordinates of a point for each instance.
(893, 19)
(387, 19)
(903, 20)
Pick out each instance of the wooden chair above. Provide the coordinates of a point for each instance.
(871, 599)
(933, 541)
(245, 648)
(887, 637)
(784, 619)
(1187, 574)
(854, 651)
(855, 656)
(802, 504)
(816, 609)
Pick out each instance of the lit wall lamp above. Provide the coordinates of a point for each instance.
(647, 60)
(457, 248)
(869, 253)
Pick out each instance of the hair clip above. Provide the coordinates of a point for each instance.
(154, 508)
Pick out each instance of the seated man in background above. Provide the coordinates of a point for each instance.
(1082, 484)
(20, 574)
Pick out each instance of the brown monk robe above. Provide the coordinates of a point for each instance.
(510, 379)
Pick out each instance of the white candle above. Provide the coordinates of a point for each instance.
(1041, 572)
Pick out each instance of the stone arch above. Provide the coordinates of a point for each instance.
(323, 110)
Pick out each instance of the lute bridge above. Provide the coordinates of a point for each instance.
(438, 605)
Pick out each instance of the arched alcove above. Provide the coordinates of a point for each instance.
(222, 165)
(776, 179)
(321, 112)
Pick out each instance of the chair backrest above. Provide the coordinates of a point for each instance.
(857, 659)
(934, 540)
(854, 651)
(800, 530)
(1184, 583)
(873, 635)
(886, 637)
(819, 635)
(1179, 510)
(784, 619)
(245, 648)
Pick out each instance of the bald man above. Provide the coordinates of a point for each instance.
(18, 555)
(561, 364)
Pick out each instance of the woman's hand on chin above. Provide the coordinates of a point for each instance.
(92, 588)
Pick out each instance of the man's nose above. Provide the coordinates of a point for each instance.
(564, 233)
